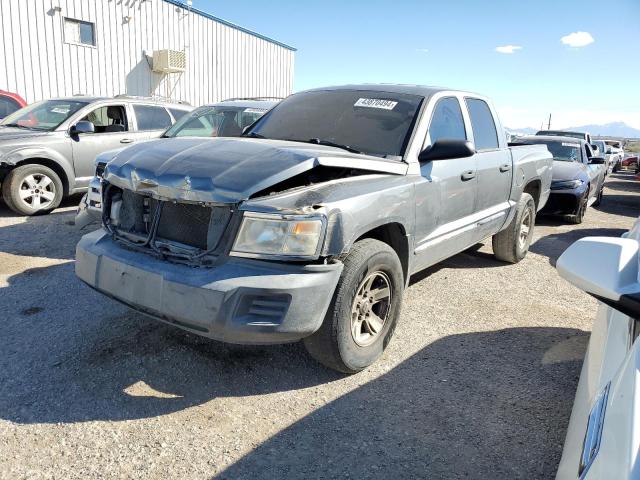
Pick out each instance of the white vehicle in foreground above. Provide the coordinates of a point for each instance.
(603, 438)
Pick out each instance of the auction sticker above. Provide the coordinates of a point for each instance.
(375, 103)
(567, 144)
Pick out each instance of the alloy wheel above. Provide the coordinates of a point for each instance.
(37, 191)
(370, 308)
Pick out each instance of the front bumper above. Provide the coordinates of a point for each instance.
(238, 301)
(90, 207)
(563, 201)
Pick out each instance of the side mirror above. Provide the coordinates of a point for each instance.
(83, 126)
(597, 161)
(606, 268)
(447, 150)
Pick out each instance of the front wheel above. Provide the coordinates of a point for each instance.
(512, 244)
(32, 189)
(599, 197)
(578, 217)
(365, 308)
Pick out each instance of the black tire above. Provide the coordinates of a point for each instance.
(616, 167)
(508, 245)
(578, 217)
(14, 183)
(599, 197)
(334, 344)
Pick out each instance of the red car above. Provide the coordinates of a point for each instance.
(9, 103)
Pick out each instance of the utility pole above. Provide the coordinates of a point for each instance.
(549, 126)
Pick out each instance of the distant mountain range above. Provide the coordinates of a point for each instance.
(614, 129)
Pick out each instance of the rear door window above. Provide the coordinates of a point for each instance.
(447, 122)
(177, 114)
(485, 134)
(151, 117)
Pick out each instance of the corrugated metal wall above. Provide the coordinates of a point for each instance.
(222, 61)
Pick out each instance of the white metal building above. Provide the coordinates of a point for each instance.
(54, 48)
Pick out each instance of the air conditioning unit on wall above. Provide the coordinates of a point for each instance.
(169, 61)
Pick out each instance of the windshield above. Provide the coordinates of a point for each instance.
(45, 115)
(562, 151)
(218, 121)
(372, 122)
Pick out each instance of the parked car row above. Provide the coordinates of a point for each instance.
(48, 149)
(578, 175)
(610, 150)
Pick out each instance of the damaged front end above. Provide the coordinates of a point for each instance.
(187, 200)
(187, 232)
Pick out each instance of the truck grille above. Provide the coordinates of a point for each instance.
(187, 224)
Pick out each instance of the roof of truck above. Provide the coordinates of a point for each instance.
(552, 138)
(421, 90)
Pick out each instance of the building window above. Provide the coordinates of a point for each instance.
(77, 31)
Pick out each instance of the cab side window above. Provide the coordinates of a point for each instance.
(151, 117)
(485, 134)
(110, 119)
(447, 122)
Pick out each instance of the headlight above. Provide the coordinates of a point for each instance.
(566, 184)
(263, 235)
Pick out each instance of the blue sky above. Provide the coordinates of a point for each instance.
(453, 43)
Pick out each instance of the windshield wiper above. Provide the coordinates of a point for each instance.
(17, 125)
(328, 143)
(253, 135)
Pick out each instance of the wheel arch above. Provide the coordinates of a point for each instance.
(53, 165)
(395, 235)
(534, 188)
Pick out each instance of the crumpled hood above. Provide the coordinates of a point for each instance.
(226, 170)
(566, 170)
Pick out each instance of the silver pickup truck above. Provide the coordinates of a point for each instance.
(310, 226)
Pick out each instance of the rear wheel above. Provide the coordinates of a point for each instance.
(512, 244)
(32, 189)
(365, 308)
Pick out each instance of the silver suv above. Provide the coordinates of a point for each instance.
(47, 149)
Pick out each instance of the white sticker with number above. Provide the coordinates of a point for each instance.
(375, 103)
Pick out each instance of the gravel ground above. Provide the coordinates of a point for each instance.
(478, 381)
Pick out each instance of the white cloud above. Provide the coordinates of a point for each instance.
(508, 49)
(577, 39)
(423, 50)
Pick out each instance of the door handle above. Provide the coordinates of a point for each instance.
(468, 175)
(505, 167)
(126, 140)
